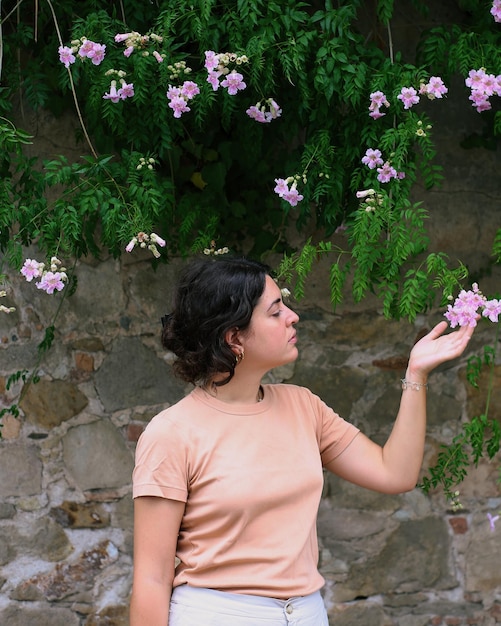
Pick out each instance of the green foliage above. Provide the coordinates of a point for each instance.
(215, 165)
(480, 437)
(297, 266)
(207, 179)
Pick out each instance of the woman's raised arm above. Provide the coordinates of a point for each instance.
(394, 468)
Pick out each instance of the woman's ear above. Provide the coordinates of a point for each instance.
(232, 338)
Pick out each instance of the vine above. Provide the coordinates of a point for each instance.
(215, 125)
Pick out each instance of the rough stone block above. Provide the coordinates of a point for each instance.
(96, 456)
(133, 375)
(49, 403)
(22, 465)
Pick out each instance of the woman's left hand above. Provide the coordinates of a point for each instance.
(436, 348)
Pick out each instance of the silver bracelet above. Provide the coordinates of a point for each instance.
(409, 384)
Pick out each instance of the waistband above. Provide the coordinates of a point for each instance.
(241, 604)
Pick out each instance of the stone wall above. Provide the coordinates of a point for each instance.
(65, 504)
(65, 464)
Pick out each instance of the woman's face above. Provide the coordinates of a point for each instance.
(270, 339)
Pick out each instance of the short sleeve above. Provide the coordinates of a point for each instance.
(161, 465)
(334, 433)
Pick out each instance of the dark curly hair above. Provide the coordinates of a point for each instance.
(213, 296)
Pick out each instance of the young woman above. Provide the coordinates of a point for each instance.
(228, 481)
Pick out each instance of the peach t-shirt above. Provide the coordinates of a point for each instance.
(251, 477)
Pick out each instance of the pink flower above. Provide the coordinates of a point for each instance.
(372, 158)
(158, 240)
(173, 92)
(121, 37)
(475, 79)
(281, 186)
(376, 114)
(32, 269)
(233, 82)
(51, 281)
(386, 173)
(86, 48)
(408, 96)
(97, 54)
(66, 55)
(213, 79)
(158, 56)
(492, 310)
(435, 88)
(128, 51)
(292, 196)
(480, 101)
(489, 84)
(189, 89)
(365, 192)
(113, 94)
(496, 10)
(211, 60)
(126, 90)
(179, 106)
(378, 99)
(275, 110)
(130, 246)
(93, 51)
(256, 114)
(260, 113)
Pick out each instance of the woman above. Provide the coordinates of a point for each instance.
(228, 480)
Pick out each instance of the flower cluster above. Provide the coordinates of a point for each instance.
(385, 171)
(434, 88)
(177, 69)
(215, 251)
(51, 279)
(409, 96)
(370, 200)
(3, 308)
(469, 305)
(290, 195)
(496, 10)
(264, 111)
(179, 96)
(378, 99)
(126, 90)
(85, 49)
(136, 41)
(483, 86)
(217, 64)
(144, 240)
(420, 131)
(148, 163)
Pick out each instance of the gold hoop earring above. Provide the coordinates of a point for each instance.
(239, 358)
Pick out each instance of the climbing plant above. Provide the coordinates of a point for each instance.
(210, 125)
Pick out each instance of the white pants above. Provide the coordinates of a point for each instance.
(192, 606)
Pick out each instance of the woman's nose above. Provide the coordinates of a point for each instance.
(294, 317)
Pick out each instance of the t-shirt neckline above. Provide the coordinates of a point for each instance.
(234, 409)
